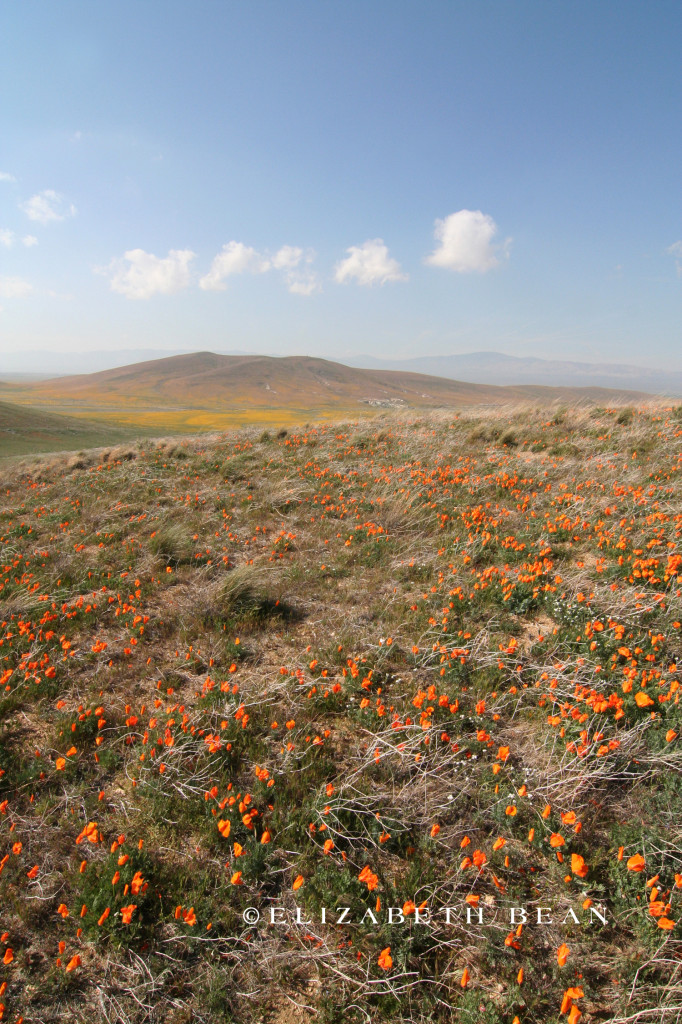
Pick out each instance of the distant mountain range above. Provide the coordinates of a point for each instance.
(497, 368)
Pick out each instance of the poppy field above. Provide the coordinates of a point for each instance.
(362, 721)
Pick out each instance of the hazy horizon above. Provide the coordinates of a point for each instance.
(83, 360)
(475, 368)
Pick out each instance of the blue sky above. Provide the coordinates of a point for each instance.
(301, 176)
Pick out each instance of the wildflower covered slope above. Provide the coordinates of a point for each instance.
(397, 665)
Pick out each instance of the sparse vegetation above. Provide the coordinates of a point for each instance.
(389, 663)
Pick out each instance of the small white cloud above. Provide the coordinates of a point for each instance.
(369, 264)
(288, 257)
(6, 238)
(675, 250)
(300, 279)
(233, 258)
(140, 274)
(302, 282)
(14, 287)
(237, 258)
(4, 176)
(48, 206)
(466, 243)
(29, 240)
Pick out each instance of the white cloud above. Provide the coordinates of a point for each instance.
(237, 258)
(303, 282)
(369, 264)
(300, 279)
(8, 238)
(288, 257)
(14, 287)
(676, 250)
(233, 258)
(48, 206)
(140, 274)
(466, 243)
(4, 176)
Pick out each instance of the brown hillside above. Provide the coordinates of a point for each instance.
(209, 381)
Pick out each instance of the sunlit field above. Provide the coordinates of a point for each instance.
(395, 666)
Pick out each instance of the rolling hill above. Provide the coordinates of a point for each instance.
(207, 391)
(24, 430)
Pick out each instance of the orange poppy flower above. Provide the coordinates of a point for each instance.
(368, 876)
(385, 960)
(562, 954)
(642, 700)
(636, 863)
(578, 865)
(137, 883)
